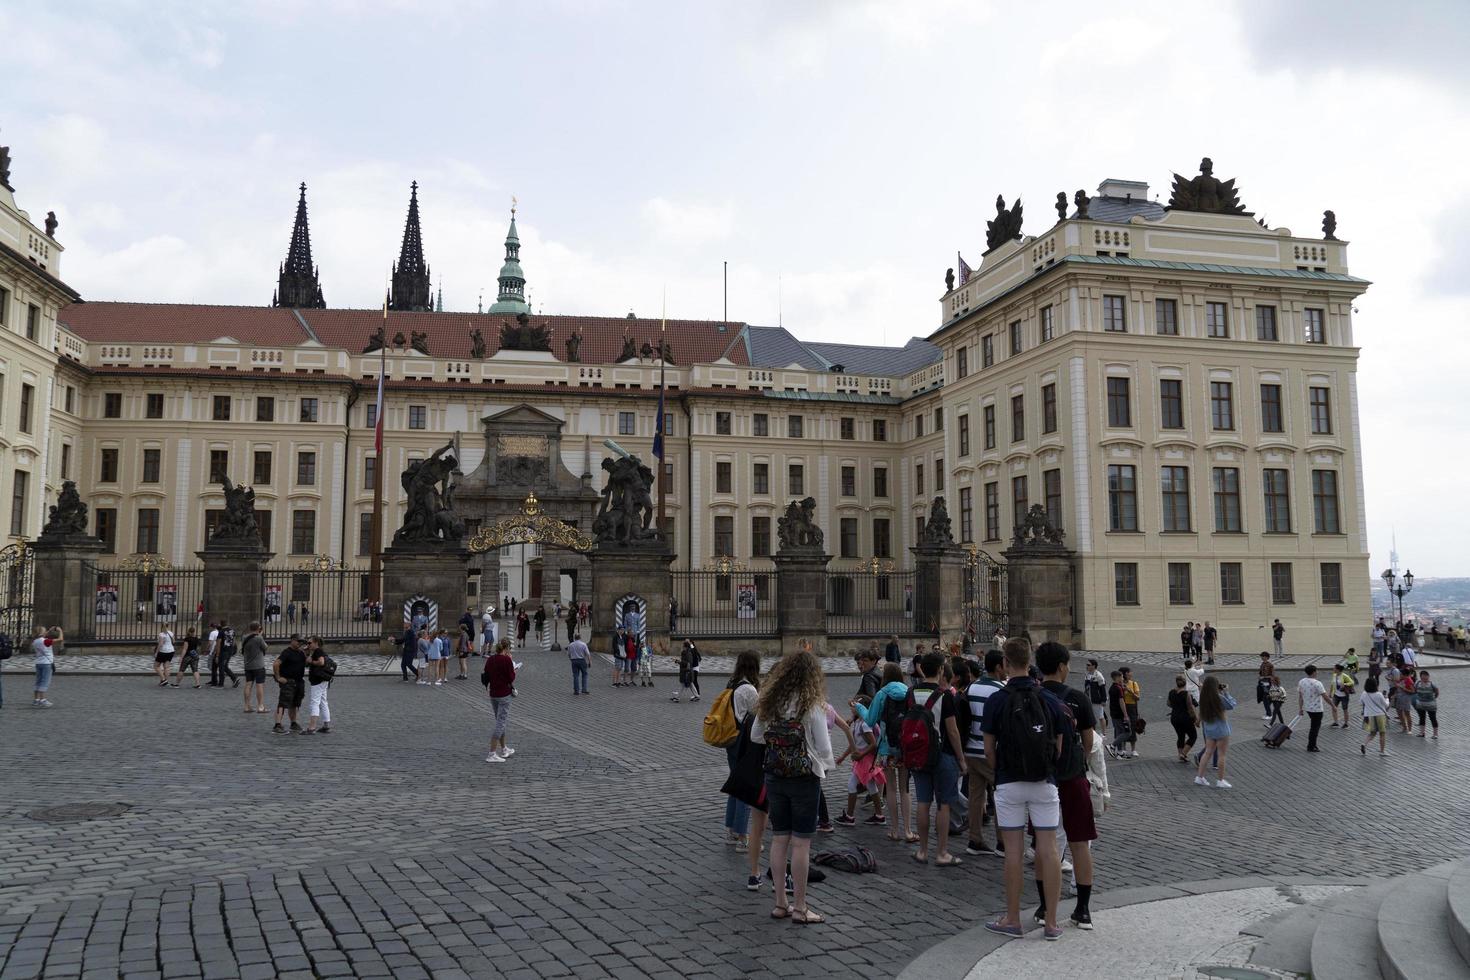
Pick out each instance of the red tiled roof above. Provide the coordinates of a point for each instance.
(166, 323)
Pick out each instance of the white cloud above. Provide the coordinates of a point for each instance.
(689, 223)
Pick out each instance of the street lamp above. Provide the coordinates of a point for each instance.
(1398, 588)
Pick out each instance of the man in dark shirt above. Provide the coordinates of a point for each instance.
(872, 679)
(892, 653)
(290, 673)
(1074, 793)
(942, 784)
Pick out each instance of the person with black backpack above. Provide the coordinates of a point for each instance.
(930, 741)
(1023, 726)
(1074, 792)
(320, 669)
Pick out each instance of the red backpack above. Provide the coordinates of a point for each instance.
(917, 739)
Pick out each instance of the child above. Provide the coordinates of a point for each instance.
(867, 771)
(645, 663)
(444, 654)
(1276, 695)
(630, 664)
(620, 657)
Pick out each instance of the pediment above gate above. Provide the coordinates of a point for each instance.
(523, 455)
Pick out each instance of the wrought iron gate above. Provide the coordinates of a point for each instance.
(17, 577)
(986, 602)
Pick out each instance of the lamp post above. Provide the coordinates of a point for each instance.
(1398, 587)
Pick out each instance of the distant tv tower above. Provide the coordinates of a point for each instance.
(1393, 553)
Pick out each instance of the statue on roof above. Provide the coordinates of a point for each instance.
(1206, 193)
(5, 168)
(51, 224)
(377, 340)
(1006, 226)
(420, 342)
(477, 343)
(574, 344)
(630, 350)
(646, 351)
(1329, 226)
(949, 280)
(524, 336)
(398, 340)
(1061, 205)
(1083, 202)
(665, 350)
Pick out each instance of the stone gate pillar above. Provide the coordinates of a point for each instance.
(63, 593)
(428, 572)
(801, 578)
(637, 568)
(234, 583)
(1039, 573)
(939, 577)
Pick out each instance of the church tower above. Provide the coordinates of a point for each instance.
(299, 284)
(512, 296)
(411, 288)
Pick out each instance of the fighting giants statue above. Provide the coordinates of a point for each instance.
(938, 532)
(430, 518)
(626, 512)
(68, 515)
(1037, 531)
(236, 527)
(797, 530)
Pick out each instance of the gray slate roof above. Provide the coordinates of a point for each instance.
(1121, 210)
(776, 347)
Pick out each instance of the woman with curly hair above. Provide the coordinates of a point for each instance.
(791, 721)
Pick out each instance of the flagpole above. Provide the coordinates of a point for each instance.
(375, 565)
(663, 364)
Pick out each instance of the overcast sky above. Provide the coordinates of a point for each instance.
(836, 154)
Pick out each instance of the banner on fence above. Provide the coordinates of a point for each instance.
(272, 604)
(908, 601)
(166, 603)
(105, 605)
(745, 600)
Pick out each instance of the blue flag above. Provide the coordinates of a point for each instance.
(658, 427)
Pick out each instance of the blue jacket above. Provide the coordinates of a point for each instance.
(873, 713)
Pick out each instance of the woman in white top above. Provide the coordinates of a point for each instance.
(744, 692)
(791, 720)
(1375, 716)
(163, 655)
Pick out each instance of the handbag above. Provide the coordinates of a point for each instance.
(1139, 725)
(747, 779)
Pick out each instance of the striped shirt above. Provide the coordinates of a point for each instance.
(977, 694)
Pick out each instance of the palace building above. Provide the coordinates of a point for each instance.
(1175, 384)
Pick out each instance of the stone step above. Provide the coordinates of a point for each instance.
(1286, 938)
(1345, 945)
(1414, 929)
(1459, 896)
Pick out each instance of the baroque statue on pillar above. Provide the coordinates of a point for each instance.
(1206, 192)
(477, 343)
(797, 530)
(1006, 226)
(1037, 531)
(236, 527)
(1083, 202)
(574, 344)
(625, 513)
(429, 518)
(1329, 226)
(68, 518)
(938, 532)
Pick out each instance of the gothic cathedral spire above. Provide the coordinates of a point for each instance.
(512, 294)
(411, 288)
(299, 285)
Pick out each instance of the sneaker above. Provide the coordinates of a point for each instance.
(675, 699)
(827, 827)
(1010, 932)
(1221, 784)
(695, 698)
(507, 751)
(43, 703)
(325, 729)
(1066, 866)
(295, 727)
(973, 849)
(279, 729)
(494, 757)
(845, 820)
(753, 883)
(877, 819)
(1380, 751)
(1363, 749)
(437, 683)
(741, 847)
(1082, 919)
(1201, 781)
(1052, 935)
(1039, 917)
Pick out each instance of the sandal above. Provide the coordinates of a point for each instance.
(806, 917)
(950, 862)
(911, 838)
(781, 912)
(920, 858)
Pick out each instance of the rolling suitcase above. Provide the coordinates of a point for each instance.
(1279, 733)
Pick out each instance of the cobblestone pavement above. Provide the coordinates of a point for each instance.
(389, 847)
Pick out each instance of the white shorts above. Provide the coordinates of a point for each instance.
(1014, 802)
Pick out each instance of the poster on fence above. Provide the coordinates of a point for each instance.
(908, 601)
(272, 604)
(166, 603)
(745, 600)
(105, 605)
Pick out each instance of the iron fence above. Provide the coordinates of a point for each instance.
(131, 605)
(865, 602)
(714, 603)
(986, 601)
(17, 578)
(334, 604)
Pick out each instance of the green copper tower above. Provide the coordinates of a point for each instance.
(512, 295)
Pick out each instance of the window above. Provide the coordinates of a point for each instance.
(722, 477)
(1122, 498)
(105, 527)
(1226, 481)
(939, 419)
(880, 481)
(1115, 318)
(1166, 317)
(919, 480)
(967, 515)
(722, 423)
(1320, 402)
(761, 424)
(33, 321)
(847, 538)
(27, 400)
(1048, 324)
(1217, 323)
(668, 476)
(1051, 487)
(962, 362)
(760, 478)
(1331, 573)
(1120, 413)
(66, 461)
(370, 419)
(152, 465)
(987, 350)
(939, 475)
(1174, 483)
(1015, 338)
(1048, 408)
(882, 546)
(1171, 404)
(107, 471)
(306, 469)
(992, 511)
(1222, 406)
(918, 527)
(1266, 323)
(1125, 583)
(1278, 502)
(1181, 593)
(964, 436)
(71, 400)
(724, 536)
(265, 410)
(793, 426)
(4, 306)
(795, 479)
(147, 531)
(365, 533)
(668, 423)
(1232, 592)
(918, 426)
(1020, 500)
(18, 492)
(219, 465)
(847, 428)
(309, 409)
(849, 481)
(1316, 331)
(1018, 418)
(1282, 593)
(303, 532)
(221, 408)
(1271, 417)
(262, 472)
(989, 423)
(154, 408)
(1324, 502)
(370, 472)
(418, 418)
(880, 430)
(760, 537)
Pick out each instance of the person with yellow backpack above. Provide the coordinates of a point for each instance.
(727, 718)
